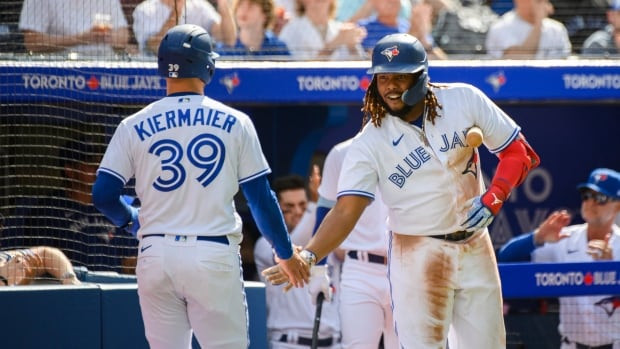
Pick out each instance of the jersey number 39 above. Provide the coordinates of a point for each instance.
(205, 151)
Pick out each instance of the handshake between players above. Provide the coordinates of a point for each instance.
(319, 281)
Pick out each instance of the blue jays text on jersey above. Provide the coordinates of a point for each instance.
(184, 117)
(416, 158)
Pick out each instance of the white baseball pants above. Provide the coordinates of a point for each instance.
(436, 283)
(190, 284)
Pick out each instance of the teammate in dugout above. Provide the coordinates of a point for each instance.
(441, 263)
(365, 309)
(585, 321)
(189, 154)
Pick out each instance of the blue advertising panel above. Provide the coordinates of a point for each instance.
(540, 280)
(295, 82)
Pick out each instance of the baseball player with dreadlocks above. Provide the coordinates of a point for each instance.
(189, 155)
(441, 263)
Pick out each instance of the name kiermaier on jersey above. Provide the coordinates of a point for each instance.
(577, 278)
(183, 118)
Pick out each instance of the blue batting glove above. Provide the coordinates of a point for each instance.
(478, 217)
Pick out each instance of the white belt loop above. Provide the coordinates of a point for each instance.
(292, 336)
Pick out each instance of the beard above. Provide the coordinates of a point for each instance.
(401, 113)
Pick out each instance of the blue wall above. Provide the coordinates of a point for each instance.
(92, 316)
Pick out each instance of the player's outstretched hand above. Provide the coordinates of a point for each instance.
(550, 230)
(296, 269)
(478, 217)
(320, 283)
(275, 275)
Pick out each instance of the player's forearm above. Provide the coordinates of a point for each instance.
(519, 249)
(266, 212)
(337, 225)
(107, 199)
(515, 162)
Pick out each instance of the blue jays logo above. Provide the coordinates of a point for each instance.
(600, 177)
(390, 52)
(497, 80)
(230, 82)
(472, 165)
(609, 304)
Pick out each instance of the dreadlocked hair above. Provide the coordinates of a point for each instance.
(374, 111)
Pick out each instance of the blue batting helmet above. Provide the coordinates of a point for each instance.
(402, 54)
(186, 51)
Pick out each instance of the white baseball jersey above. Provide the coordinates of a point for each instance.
(370, 232)
(425, 177)
(186, 149)
(431, 175)
(589, 320)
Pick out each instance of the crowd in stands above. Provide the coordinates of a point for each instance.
(312, 29)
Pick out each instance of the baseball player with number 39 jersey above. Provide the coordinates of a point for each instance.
(441, 267)
(189, 154)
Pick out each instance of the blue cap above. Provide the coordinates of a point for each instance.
(604, 181)
(614, 5)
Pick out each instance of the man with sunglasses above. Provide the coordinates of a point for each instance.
(585, 322)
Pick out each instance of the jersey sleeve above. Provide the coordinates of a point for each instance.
(252, 162)
(331, 172)
(359, 176)
(545, 254)
(117, 159)
(498, 128)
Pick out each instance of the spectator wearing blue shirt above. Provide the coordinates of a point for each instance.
(385, 21)
(254, 19)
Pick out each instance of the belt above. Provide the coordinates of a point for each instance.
(583, 346)
(372, 258)
(222, 239)
(325, 342)
(457, 236)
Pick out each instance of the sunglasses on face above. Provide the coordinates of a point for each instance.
(599, 198)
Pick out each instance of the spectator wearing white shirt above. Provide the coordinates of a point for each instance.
(315, 34)
(90, 28)
(153, 18)
(527, 32)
